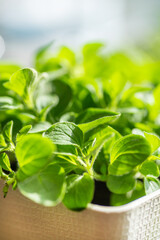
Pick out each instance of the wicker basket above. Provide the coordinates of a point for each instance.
(21, 219)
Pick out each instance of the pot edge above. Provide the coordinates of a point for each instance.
(124, 208)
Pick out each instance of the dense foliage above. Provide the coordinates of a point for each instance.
(79, 118)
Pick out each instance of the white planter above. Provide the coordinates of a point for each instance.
(21, 219)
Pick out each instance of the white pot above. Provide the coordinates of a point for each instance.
(21, 219)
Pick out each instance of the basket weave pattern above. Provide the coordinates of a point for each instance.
(21, 219)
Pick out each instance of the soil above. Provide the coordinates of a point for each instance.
(101, 195)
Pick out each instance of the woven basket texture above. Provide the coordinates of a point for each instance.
(21, 219)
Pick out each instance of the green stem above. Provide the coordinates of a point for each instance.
(81, 152)
(82, 162)
(10, 181)
(99, 177)
(93, 160)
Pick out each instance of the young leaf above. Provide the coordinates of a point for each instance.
(100, 137)
(40, 127)
(5, 190)
(2, 141)
(33, 153)
(7, 132)
(153, 140)
(127, 153)
(40, 54)
(151, 184)
(60, 88)
(8, 103)
(134, 89)
(149, 168)
(91, 49)
(47, 187)
(68, 162)
(23, 132)
(94, 117)
(80, 190)
(108, 145)
(46, 101)
(65, 133)
(121, 199)
(66, 55)
(21, 82)
(98, 144)
(4, 162)
(120, 184)
(8, 68)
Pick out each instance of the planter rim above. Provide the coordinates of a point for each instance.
(124, 208)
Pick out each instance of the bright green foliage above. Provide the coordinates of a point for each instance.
(153, 140)
(4, 162)
(23, 132)
(121, 199)
(151, 184)
(92, 118)
(120, 184)
(65, 134)
(23, 82)
(80, 190)
(33, 153)
(7, 132)
(127, 153)
(149, 168)
(78, 118)
(8, 103)
(46, 187)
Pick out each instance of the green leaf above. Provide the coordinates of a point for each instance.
(47, 187)
(4, 162)
(91, 48)
(8, 68)
(120, 184)
(127, 153)
(67, 161)
(94, 117)
(67, 157)
(99, 139)
(151, 184)
(149, 168)
(98, 143)
(134, 89)
(7, 132)
(40, 127)
(66, 55)
(108, 145)
(80, 190)
(46, 101)
(2, 141)
(5, 190)
(64, 93)
(65, 133)
(40, 54)
(154, 141)
(21, 82)
(68, 117)
(121, 199)
(8, 103)
(33, 153)
(23, 132)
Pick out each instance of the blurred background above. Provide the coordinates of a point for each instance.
(27, 24)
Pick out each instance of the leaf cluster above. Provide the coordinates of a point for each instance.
(77, 118)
